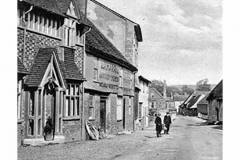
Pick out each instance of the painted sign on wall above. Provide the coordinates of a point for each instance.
(108, 73)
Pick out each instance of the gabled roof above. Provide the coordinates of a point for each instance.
(59, 7)
(40, 64)
(156, 91)
(144, 79)
(204, 100)
(67, 68)
(21, 68)
(216, 92)
(99, 45)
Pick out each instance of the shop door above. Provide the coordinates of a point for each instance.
(103, 114)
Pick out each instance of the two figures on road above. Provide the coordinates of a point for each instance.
(158, 121)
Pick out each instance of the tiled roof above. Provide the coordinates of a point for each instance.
(21, 68)
(68, 68)
(49, 5)
(55, 6)
(99, 45)
(216, 92)
(40, 65)
(193, 100)
(204, 100)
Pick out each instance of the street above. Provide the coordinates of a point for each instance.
(189, 139)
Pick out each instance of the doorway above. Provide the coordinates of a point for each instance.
(50, 110)
(103, 103)
(124, 116)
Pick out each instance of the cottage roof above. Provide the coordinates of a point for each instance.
(21, 68)
(204, 100)
(99, 45)
(216, 92)
(156, 91)
(59, 7)
(67, 68)
(144, 79)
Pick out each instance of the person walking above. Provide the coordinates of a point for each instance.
(158, 122)
(167, 121)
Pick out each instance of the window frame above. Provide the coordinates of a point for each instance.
(72, 101)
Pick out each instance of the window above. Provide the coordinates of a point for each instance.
(72, 101)
(19, 99)
(153, 105)
(31, 115)
(95, 70)
(119, 108)
(47, 24)
(91, 105)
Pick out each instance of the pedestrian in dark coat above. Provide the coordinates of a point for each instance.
(167, 121)
(158, 122)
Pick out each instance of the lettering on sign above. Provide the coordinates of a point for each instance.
(108, 86)
(109, 73)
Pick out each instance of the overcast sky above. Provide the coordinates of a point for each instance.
(182, 39)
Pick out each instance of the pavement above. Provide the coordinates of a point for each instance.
(189, 139)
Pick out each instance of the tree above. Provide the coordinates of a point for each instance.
(186, 89)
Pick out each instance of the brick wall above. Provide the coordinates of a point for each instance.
(78, 58)
(72, 129)
(33, 41)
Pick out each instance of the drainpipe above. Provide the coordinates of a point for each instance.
(83, 92)
(25, 30)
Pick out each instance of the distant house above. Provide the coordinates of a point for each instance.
(215, 99)
(156, 100)
(202, 108)
(143, 104)
(178, 100)
(189, 106)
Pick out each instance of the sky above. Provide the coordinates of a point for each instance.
(182, 40)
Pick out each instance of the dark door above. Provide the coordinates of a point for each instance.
(124, 117)
(103, 114)
(50, 115)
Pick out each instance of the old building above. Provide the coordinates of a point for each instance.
(122, 32)
(202, 108)
(215, 103)
(51, 40)
(157, 103)
(143, 103)
(109, 89)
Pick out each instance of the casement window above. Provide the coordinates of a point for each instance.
(119, 108)
(72, 105)
(42, 23)
(95, 70)
(19, 99)
(91, 106)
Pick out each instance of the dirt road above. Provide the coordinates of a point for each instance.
(189, 139)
